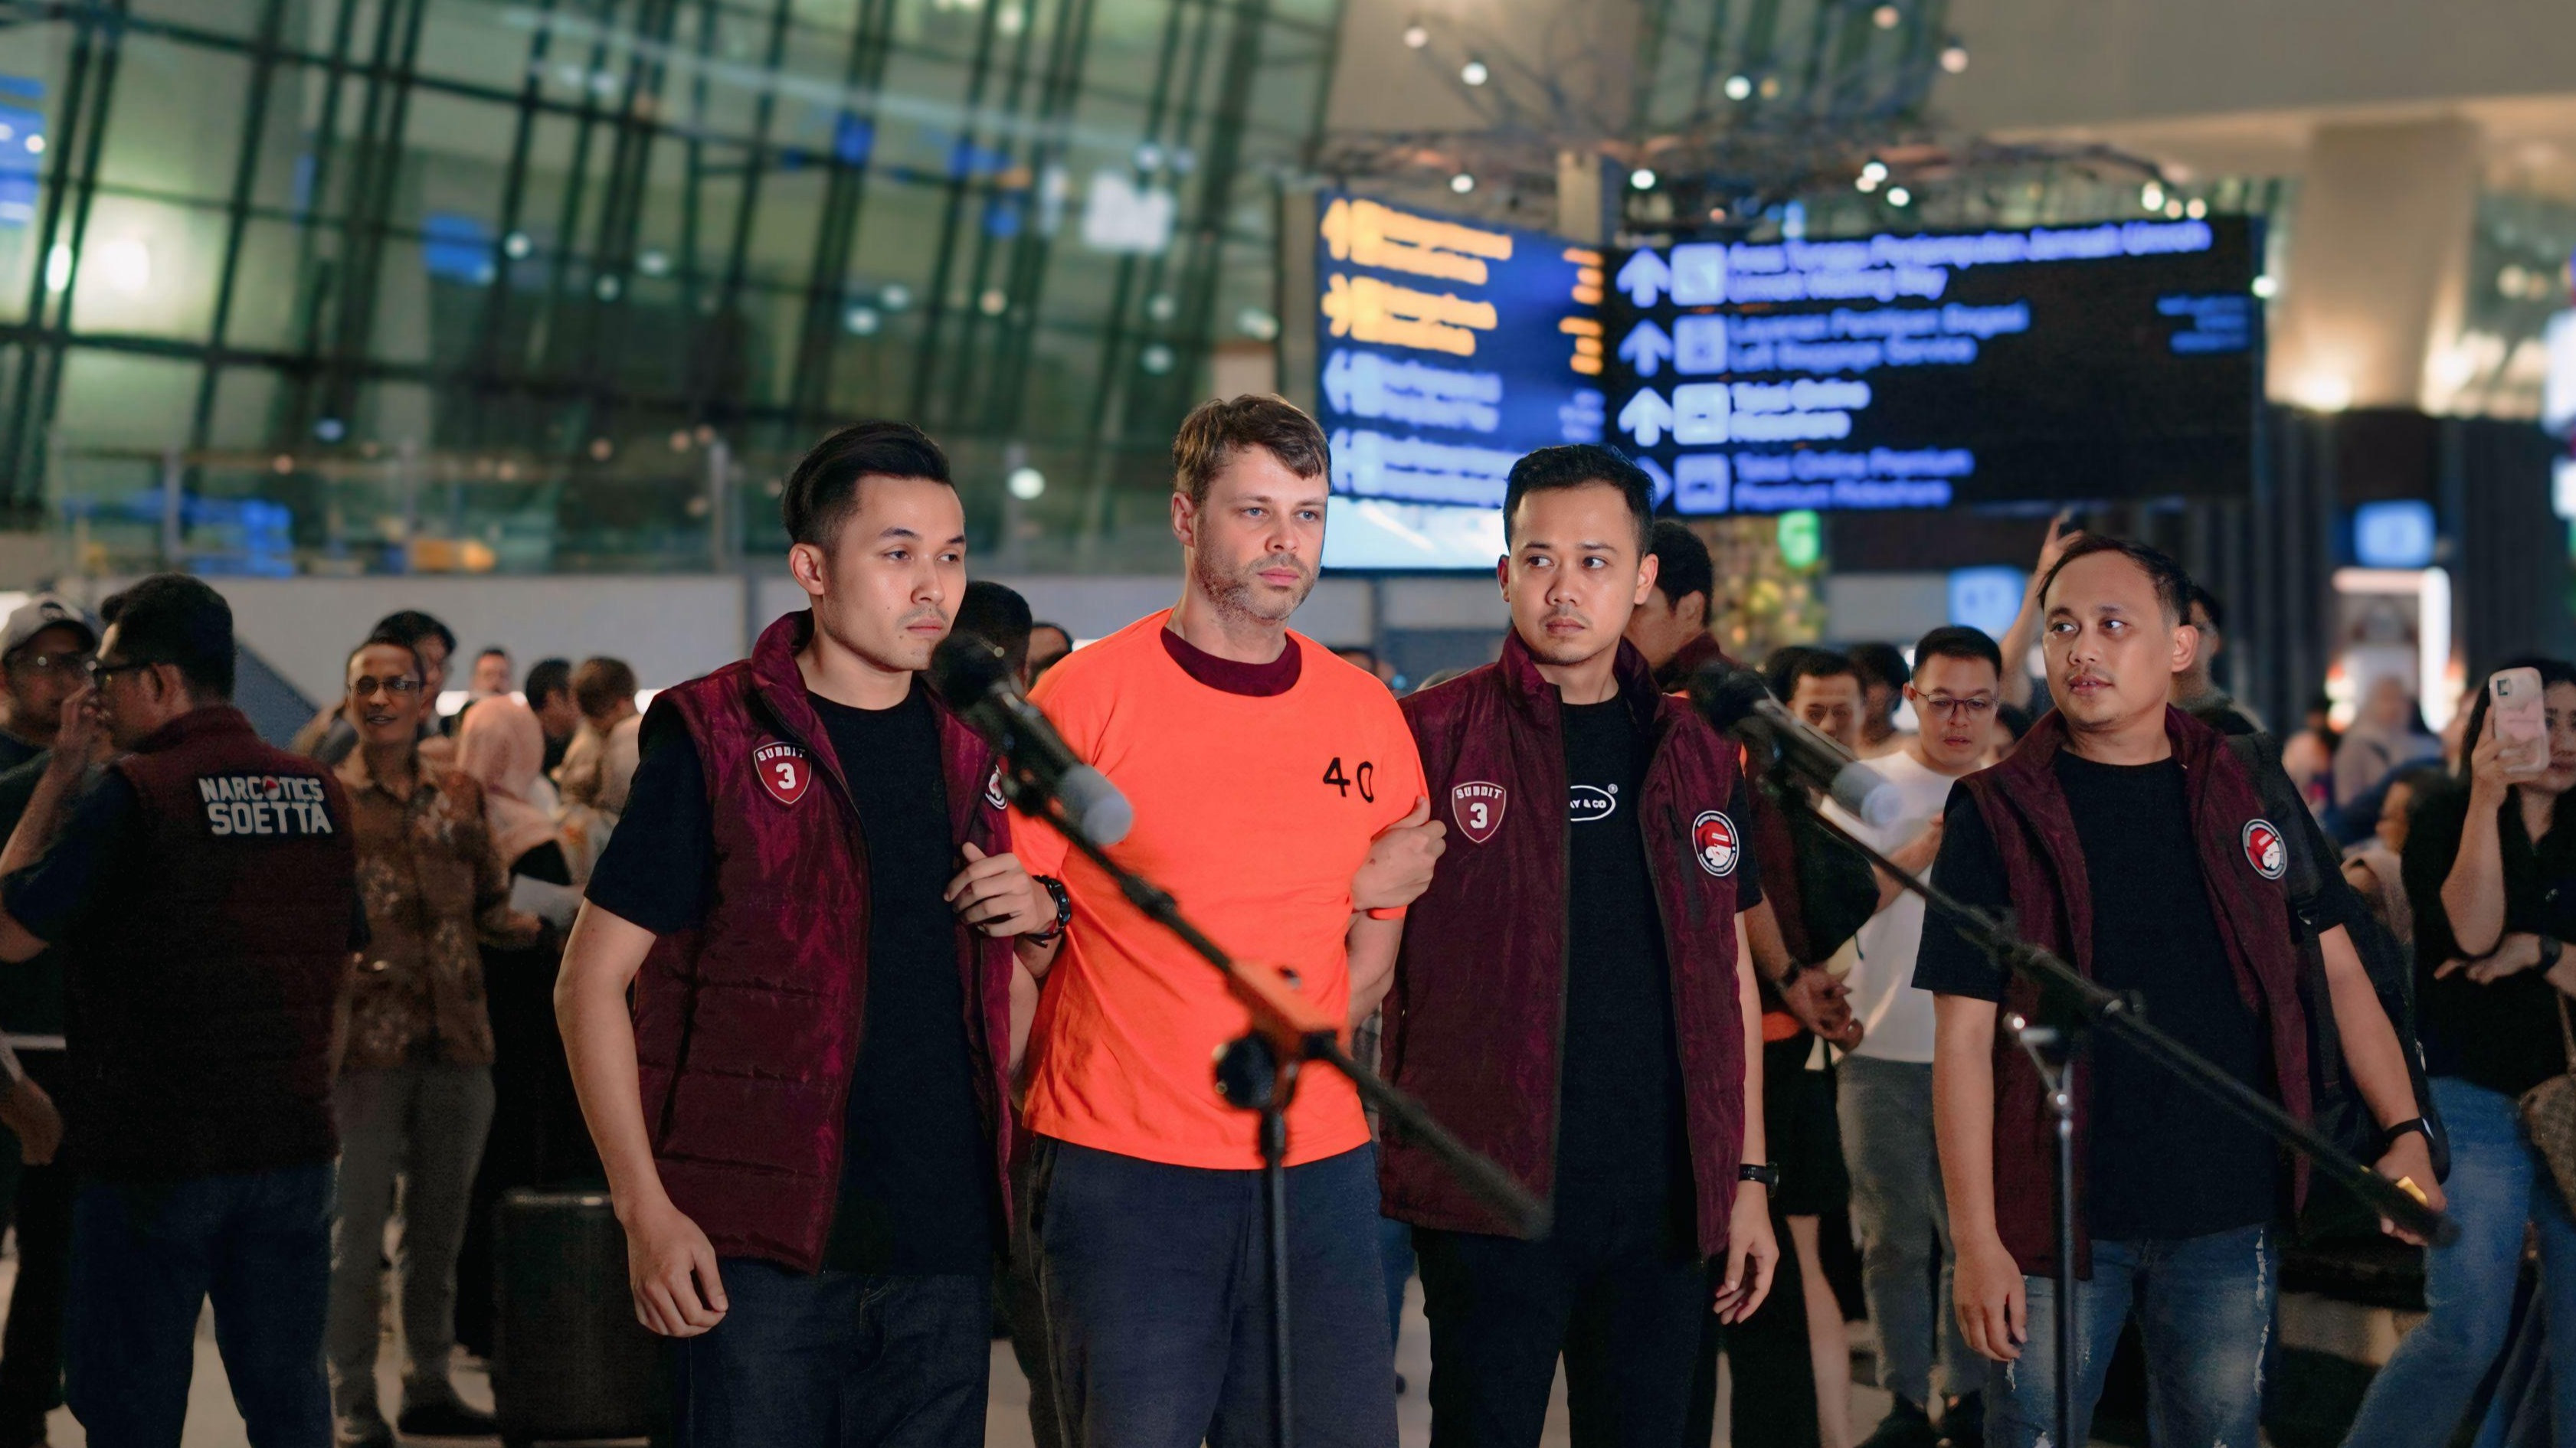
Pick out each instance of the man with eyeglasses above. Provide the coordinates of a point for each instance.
(414, 1093)
(1886, 1085)
(44, 659)
(204, 883)
(45, 650)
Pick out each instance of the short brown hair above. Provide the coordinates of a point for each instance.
(599, 683)
(1214, 429)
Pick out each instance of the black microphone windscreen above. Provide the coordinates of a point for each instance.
(1726, 693)
(965, 667)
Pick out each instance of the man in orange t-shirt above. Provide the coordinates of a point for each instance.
(1262, 768)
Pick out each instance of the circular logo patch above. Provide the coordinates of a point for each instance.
(1714, 841)
(2266, 851)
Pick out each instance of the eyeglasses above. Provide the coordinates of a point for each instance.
(100, 670)
(1973, 708)
(72, 663)
(400, 686)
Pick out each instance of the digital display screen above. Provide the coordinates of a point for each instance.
(1939, 370)
(1445, 349)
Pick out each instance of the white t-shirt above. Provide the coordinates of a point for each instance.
(1898, 1017)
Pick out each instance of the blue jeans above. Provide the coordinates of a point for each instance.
(145, 1257)
(1157, 1288)
(837, 1360)
(2497, 1184)
(2204, 1308)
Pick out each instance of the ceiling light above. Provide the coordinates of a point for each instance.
(1643, 178)
(1954, 58)
(1738, 87)
(1462, 183)
(1474, 72)
(1416, 36)
(1899, 196)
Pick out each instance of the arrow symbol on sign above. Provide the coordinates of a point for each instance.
(1647, 417)
(1646, 348)
(1337, 380)
(1663, 480)
(1644, 276)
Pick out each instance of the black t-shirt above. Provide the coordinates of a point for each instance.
(916, 1176)
(2502, 1035)
(1619, 1089)
(2163, 1160)
(15, 751)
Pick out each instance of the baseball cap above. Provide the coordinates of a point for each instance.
(40, 613)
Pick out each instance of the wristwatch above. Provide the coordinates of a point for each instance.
(2550, 949)
(1765, 1173)
(1063, 911)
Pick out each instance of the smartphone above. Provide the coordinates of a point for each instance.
(2513, 701)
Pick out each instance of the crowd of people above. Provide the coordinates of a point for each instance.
(869, 1061)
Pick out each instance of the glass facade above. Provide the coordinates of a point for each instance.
(363, 285)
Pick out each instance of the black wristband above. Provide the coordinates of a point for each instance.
(1063, 911)
(2550, 949)
(1765, 1173)
(2417, 1124)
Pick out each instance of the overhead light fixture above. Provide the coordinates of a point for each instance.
(1416, 36)
(2152, 196)
(1865, 182)
(1027, 484)
(2197, 209)
(1643, 178)
(1738, 87)
(1874, 172)
(2173, 207)
(2266, 287)
(1462, 183)
(1899, 196)
(1474, 73)
(1954, 58)
(1886, 17)
(126, 264)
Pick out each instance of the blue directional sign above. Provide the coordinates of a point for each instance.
(1447, 349)
(1930, 370)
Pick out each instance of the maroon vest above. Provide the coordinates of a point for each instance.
(2025, 809)
(747, 1028)
(1476, 1018)
(202, 988)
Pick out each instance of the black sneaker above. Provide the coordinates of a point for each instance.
(1905, 1426)
(1963, 1422)
(444, 1419)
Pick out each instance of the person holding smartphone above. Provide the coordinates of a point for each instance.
(2488, 866)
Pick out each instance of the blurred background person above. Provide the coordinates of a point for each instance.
(2308, 755)
(414, 1097)
(997, 614)
(2387, 734)
(1671, 627)
(44, 656)
(204, 882)
(1048, 642)
(2195, 689)
(2375, 868)
(537, 1138)
(1884, 1094)
(492, 675)
(604, 690)
(2490, 874)
(1883, 677)
(549, 692)
(45, 649)
(330, 737)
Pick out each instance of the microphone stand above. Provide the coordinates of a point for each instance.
(1258, 1072)
(2073, 1006)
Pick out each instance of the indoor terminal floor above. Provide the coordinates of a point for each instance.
(212, 1423)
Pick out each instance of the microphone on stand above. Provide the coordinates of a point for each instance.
(979, 684)
(1739, 704)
